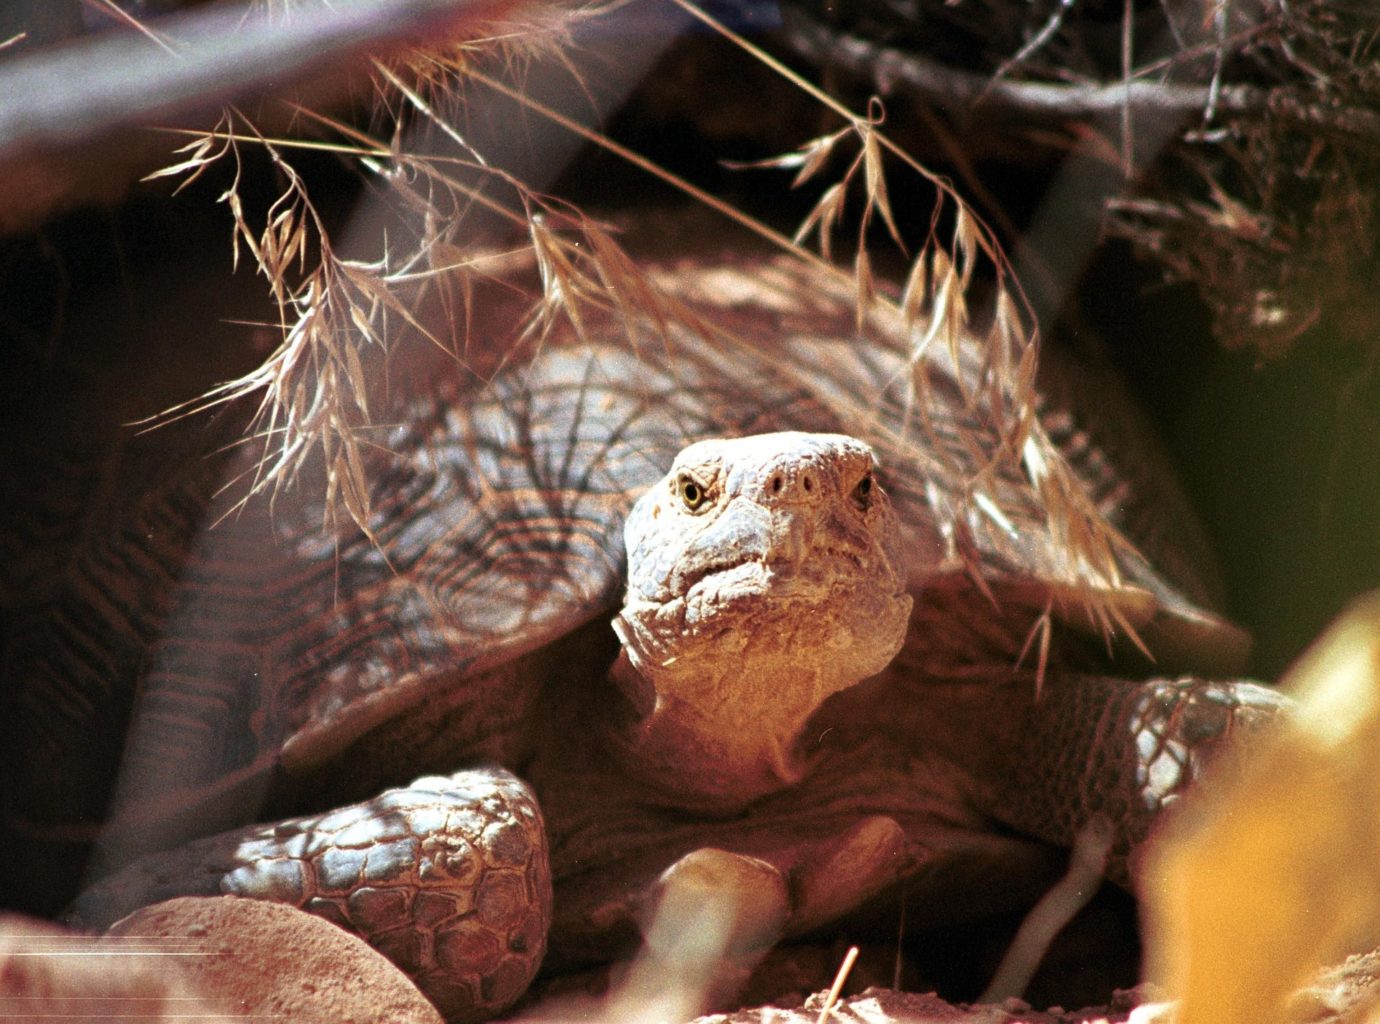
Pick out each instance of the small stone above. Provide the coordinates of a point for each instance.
(271, 961)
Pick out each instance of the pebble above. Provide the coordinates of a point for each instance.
(259, 960)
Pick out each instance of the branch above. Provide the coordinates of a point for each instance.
(963, 92)
(66, 109)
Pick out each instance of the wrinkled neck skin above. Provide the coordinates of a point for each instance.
(717, 734)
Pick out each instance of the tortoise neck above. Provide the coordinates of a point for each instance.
(717, 742)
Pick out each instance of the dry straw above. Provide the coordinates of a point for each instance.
(312, 393)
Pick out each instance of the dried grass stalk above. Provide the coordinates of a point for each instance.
(313, 391)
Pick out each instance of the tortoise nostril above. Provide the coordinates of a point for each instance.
(794, 484)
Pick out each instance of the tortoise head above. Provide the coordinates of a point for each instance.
(764, 574)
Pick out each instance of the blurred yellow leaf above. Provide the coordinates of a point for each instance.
(1272, 870)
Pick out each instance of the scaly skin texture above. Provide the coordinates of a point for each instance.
(448, 878)
(1124, 752)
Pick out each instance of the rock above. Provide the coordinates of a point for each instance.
(272, 961)
(47, 972)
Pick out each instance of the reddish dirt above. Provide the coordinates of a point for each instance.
(271, 961)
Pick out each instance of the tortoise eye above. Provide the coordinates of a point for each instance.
(691, 492)
(862, 493)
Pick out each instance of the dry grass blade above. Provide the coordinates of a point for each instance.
(933, 304)
(425, 109)
(314, 389)
(333, 311)
(824, 218)
(637, 298)
(875, 178)
(204, 150)
(836, 989)
(864, 287)
(1041, 634)
(1036, 43)
(638, 160)
(562, 282)
(807, 161)
(117, 13)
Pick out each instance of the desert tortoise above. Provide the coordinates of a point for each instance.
(167, 684)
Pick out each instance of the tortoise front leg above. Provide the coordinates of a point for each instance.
(710, 917)
(1124, 752)
(707, 921)
(447, 877)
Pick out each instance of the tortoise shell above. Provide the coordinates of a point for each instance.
(172, 655)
